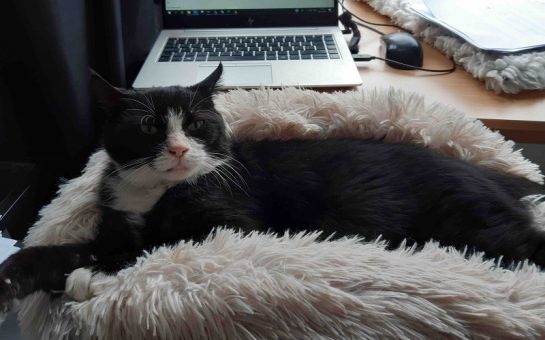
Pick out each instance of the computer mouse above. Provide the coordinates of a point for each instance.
(401, 47)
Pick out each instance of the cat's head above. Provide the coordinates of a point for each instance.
(168, 134)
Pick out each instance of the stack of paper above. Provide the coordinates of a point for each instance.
(7, 247)
(504, 26)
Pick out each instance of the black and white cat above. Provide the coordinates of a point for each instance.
(175, 174)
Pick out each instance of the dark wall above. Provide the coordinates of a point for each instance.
(46, 49)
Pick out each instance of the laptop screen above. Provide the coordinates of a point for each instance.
(249, 13)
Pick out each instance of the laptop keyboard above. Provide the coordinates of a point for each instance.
(241, 48)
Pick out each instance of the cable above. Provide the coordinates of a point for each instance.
(341, 2)
(351, 26)
(368, 57)
(368, 27)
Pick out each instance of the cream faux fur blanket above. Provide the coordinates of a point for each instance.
(291, 286)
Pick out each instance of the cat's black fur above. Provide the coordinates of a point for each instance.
(341, 186)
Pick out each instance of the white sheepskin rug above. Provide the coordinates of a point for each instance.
(265, 286)
(502, 73)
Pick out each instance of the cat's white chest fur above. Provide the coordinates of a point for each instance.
(135, 198)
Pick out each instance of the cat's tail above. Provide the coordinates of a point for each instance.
(536, 206)
(518, 187)
(530, 193)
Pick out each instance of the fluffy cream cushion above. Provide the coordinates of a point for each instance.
(291, 286)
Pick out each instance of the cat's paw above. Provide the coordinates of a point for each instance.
(8, 292)
(78, 284)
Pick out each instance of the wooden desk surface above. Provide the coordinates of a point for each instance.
(519, 117)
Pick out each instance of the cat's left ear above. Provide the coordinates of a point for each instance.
(211, 83)
(105, 93)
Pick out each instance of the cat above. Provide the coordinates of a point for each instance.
(175, 174)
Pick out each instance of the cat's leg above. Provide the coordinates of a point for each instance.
(78, 283)
(47, 267)
(40, 268)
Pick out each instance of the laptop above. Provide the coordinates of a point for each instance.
(272, 43)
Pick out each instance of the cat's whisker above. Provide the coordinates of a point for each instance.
(193, 96)
(150, 102)
(227, 178)
(141, 110)
(121, 168)
(141, 103)
(221, 181)
(199, 102)
(137, 162)
(128, 179)
(233, 169)
(230, 158)
(135, 172)
(227, 173)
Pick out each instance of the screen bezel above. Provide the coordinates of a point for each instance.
(172, 21)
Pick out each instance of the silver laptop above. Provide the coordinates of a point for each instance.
(260, 43)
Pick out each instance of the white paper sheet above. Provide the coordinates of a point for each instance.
(496, 25)
(7, 248)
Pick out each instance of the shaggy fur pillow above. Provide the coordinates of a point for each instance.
(507, 73)
(292, 286)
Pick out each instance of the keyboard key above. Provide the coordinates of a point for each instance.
(189, 57)
(319, 46)
(236, 58)
(334, 56)
(312, 52)
(319, 56)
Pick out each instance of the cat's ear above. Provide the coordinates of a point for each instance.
(103, 92)
(210, 83)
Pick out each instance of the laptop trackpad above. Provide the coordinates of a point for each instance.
(239, 75)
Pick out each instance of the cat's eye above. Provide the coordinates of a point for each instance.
(196, 125)
(148, 125)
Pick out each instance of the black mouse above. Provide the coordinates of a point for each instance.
(402, 47)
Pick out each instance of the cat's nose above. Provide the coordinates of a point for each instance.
(178, 150)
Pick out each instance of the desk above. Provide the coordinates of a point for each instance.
(519, 117)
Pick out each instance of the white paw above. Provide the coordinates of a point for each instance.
(78, 284)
